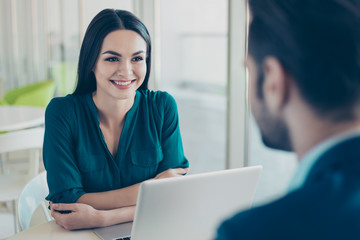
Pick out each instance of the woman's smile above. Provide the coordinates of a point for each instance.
(123, 84)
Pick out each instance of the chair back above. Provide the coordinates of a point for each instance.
(32, 196)
(38, 94)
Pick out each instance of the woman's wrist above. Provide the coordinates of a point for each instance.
(103, 218)
(99, 218)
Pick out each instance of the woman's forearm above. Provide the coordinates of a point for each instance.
(114, 199)
(123, 197)
(115, 216)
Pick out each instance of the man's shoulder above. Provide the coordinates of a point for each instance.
(259, 222)
(311, 212)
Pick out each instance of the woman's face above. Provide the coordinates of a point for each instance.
(121, 65)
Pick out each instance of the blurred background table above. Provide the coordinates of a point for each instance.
(14, 118)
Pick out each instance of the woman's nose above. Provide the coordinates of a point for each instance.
(125, 68)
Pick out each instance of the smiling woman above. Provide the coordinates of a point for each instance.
(112, 133)
(121, 64)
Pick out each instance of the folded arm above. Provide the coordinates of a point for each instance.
(108, 200)
(84, 216)
(123, 197)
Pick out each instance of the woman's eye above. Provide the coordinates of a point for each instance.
(137, 59)
(112, 59)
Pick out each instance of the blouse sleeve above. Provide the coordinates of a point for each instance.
(170, 138)
(63, 175)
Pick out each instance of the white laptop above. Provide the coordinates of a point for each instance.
(189, 207)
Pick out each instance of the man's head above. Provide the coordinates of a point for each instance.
(316, 43)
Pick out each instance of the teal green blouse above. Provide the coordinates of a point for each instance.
(76, 156)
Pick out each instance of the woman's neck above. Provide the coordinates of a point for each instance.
(112, 112)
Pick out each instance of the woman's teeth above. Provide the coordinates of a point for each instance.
(122, 83)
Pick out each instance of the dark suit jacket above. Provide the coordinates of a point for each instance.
(327, 206)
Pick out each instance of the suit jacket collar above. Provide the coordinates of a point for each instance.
(343, 156)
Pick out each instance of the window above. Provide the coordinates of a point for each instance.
(194, 70)
(278, 167)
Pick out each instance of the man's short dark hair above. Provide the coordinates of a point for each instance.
(318, 44)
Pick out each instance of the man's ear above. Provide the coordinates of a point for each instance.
(276, 84)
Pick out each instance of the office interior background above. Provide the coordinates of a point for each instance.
(198, 51)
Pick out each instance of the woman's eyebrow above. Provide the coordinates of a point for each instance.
(138, 52)
(118, 54)
(112, 52)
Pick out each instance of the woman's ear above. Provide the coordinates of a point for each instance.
(276, 84)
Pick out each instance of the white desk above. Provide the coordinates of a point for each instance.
(52, 231)
(14, 118)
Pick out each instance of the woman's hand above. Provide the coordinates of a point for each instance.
(172, 172)
(75, 215)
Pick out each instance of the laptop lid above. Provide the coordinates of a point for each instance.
(193, 206)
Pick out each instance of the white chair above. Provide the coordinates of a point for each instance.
(11, 184)
(33, 196)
